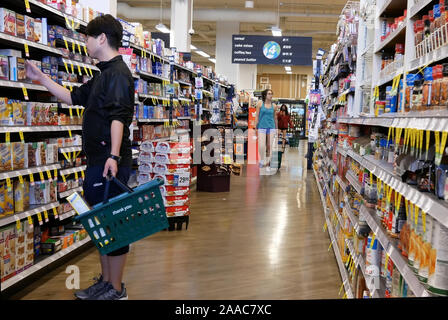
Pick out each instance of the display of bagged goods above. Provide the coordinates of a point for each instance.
(166, 158)
(175, 201)
(171, 168)
(173, 147)
(174, 180)
(179, 211)
(145, 157)
(174, 191)
(145, 168)
(147, 146)
(143, 178)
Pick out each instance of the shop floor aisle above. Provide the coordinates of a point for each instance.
(262, 240)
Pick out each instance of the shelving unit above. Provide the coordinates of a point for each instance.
(351, 127)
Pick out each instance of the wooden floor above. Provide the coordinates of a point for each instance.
(263, 240)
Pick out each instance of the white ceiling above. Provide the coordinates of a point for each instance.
(311, 18)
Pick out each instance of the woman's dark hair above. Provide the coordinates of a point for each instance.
(108, 25)
(285, 108)
(264, 94)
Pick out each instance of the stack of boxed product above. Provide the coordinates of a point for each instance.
(170, 162)
(16, 249)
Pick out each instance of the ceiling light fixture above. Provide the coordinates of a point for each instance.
(249, 4)
(160, 26)
(193, 47)
(202, 53)
(289, 72)
(212, 60)
(287, 68)
(276, 31)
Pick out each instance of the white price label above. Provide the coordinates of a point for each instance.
(183, 180)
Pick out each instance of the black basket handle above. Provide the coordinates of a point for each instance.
(123, 186)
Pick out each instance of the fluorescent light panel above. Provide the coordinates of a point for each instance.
(193, 47)
(202, 53)
(162, 28)
(212, 60)
(276, 31)
(287, 68)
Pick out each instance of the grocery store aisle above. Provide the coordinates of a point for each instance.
(263, 240)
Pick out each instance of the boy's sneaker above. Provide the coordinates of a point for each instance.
(95, 289)
(111, 294)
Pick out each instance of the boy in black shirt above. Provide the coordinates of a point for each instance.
(108, 99)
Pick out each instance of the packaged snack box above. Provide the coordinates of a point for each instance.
(29, 28)
(4, 68)
(5, 157)
(20, 25)
(7, 21)
(19, 155)
(21, 196)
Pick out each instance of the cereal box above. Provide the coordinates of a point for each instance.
(21, 196)
(19, 155)
(7, 21)
(37, 30)
(5, 157)
(9, 252)
(9, 199)
(4, 111)
(20, 25)
(19, 113)
(20, 249)
(29, 28)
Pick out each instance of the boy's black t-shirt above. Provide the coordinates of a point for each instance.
(108, 96)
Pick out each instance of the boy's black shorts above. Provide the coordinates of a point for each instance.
(94, 185)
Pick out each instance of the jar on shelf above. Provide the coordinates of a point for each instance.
(427, 90)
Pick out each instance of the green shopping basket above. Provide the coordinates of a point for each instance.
(126, 218)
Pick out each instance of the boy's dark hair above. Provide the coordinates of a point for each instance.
(108, 25)
(264, 94)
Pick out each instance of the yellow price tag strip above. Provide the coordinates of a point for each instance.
(424, 221)
(63, 178)
(386, 261)
(41, 176)
(66, 44)
(397, 203)
(30, 221)
(428, 139)
(27, 50)
(406, 203)
(79, 70)
(31, 179)
(55, 174)
(39, 218)
(22, 139)
(79, 48)
(331, 244)
(25, 92)
(439, 155)
(18, 224)
(8, 137)
(85, 50)
(46, 216)
(416, 213)
(340, 289)
(50, 178)
(86, 71)
(67, 157)
(70, 133)
(55, 213)
(27, 6)
(73, 68)
(422, 134)
(83, 174)
(9, 184)
(76, 176)
(91, 73)
(70, 112)
(21, 180)
(372, 241)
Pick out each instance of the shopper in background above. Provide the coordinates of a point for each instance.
(266, 127)
(284, 122)
(108, 99)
